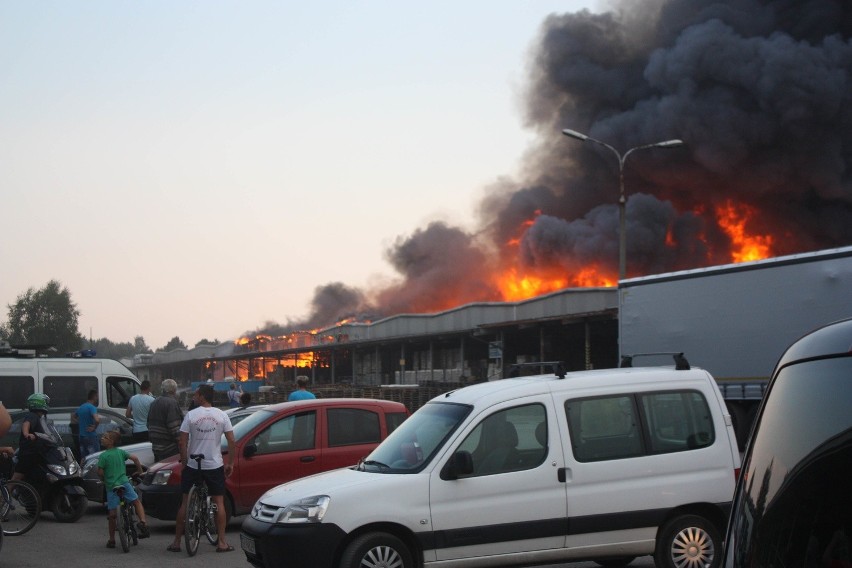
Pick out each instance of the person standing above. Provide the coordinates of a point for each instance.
(164, 419)
(88, 420)
(234, 395)
(301, 392)
(201, 433)
(137, 409)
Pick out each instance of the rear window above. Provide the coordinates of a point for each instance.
(631, 425)
(795, 507)
(349, 426)
(14, 391)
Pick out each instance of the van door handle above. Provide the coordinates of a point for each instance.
(562, 474)
(307, 459)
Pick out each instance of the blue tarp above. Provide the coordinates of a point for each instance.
(223, 386)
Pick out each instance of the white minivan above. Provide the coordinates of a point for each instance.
(602, 465)
(66, 380)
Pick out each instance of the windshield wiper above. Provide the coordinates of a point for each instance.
(375, 463)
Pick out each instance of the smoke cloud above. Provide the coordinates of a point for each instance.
(760, 91)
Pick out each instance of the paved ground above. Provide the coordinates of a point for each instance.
(83, 544)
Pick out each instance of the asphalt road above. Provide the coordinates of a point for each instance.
(83, 543)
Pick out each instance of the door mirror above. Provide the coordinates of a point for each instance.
(461, 463)
(249, 450)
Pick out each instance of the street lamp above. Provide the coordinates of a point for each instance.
(622, 201)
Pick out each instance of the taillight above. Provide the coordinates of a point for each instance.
(736, 474)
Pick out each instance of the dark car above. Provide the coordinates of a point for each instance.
(793, 503)
(61, 417)
(280, 443)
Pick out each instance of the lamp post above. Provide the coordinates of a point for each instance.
(622, 200)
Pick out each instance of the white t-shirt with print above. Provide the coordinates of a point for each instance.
(205, 426)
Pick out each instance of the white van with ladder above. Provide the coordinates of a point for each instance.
(66, 380)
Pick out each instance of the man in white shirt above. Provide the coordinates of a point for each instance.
(201, 433)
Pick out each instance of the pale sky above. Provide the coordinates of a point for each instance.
(198, 168)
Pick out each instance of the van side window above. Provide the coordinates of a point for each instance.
(294, 432)
(605, 428)
(15, 390)
(68, 391)
(677, 421)
(119, 390)
(626, 426)
(510, 440)
(349, 426)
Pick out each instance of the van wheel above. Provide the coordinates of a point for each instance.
(619, 562)
(376, 550)
(688, 541)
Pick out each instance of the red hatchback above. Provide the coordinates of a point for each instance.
(280, 443)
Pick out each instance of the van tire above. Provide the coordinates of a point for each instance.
(688, 541)
(376, 549)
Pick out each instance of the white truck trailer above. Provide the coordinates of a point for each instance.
(736, 320)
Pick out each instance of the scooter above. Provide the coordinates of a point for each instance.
(57, 479)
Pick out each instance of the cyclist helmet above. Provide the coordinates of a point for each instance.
(38, 401)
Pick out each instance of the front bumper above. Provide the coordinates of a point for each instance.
(295, 546)
(160, 501)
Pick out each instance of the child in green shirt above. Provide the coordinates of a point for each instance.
(112, 470)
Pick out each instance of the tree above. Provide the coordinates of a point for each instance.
(174, 343)
(205, 341)
(139, 345)
(45, 317)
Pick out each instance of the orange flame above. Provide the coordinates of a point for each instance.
(733, 220)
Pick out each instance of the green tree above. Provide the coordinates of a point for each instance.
(207, 342)
(174, 343)
(45, 317)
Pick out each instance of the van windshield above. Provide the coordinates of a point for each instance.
(417, 440)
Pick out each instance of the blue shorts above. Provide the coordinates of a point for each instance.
(129, 496)
(215, 479)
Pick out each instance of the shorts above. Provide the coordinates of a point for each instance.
(129, 496)
(215, 479)
(140, 436)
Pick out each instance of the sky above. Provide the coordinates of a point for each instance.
(197, 168)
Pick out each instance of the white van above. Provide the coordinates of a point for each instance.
(600, 465)
(66, 380)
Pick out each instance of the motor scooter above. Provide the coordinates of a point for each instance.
(57, 478)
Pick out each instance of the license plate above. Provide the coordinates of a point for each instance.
(247, 544)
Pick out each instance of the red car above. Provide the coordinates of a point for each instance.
(280, 443)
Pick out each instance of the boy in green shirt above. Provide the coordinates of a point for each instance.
(112, 470)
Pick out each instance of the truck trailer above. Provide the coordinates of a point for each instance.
(736, 320)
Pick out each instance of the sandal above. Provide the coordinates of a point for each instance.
(229, 549)
(173, 548)
(110, 544)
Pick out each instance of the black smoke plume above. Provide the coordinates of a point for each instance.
(760, 91)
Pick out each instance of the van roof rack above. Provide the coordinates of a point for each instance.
(681, 364)
(558, 368)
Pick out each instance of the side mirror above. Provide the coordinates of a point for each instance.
(461, 463)
(250, 450)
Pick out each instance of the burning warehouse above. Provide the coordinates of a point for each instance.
(758, 90)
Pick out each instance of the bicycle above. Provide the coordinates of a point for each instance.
(200, 514)
(20, 506)
(124, 521)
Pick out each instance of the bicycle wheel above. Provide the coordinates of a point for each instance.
(21, 507)
(210, 523)
(121, 526)
(192, 527)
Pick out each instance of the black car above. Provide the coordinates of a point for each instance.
(793, 503)
(61, 417)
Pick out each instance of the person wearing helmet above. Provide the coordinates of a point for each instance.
(29, 456)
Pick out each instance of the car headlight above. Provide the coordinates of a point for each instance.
(307, 510)
(161, 477)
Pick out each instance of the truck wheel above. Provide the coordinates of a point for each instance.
(376, 550)
(68, 508)
(688, 541)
